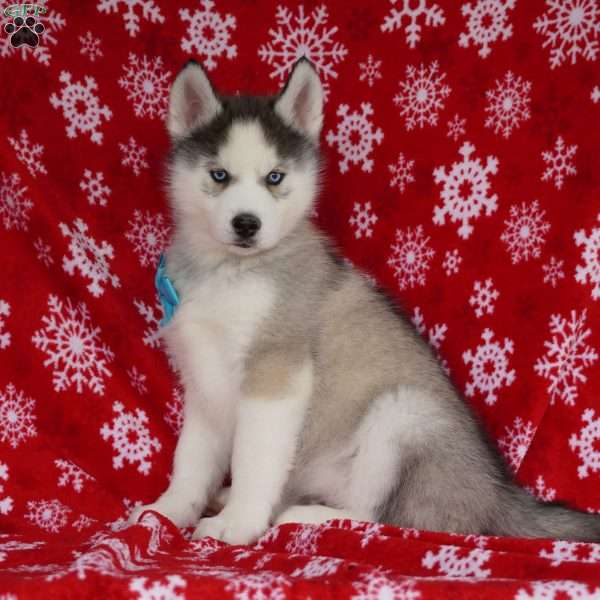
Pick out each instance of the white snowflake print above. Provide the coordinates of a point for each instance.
(456, 127)
(93, 185)
(43, 252)
(563, 551)
(166, 589)
(412, 12)
(465, 190)
(29, 154)
(149, 11)
(458, 562)
(585, 445)
(377, 585)
(487, 22)
(50, 515)
(82, 522)
(17, 420)
(555, 590)
(370, 70)
(560, 163)
(421, 95)
(6, 503)
(553, 271)
(516, 442)
(489, 367)
(89, 258)
(434, 335)
(174, 415)
(305, 35)
(73, 347)
(590, 271)
(402, 173)
(508, 104)
(147, 85)
(14, 206)
(258, 586)
(595, 95)
(303, 540)
(152, 316)
(411, 257)
(131, 439)
(149, 235)
(355, 137)
(452, 261)
(484, 297)
(71, 474)
(363, 220)
(137, 380)
(541, 491)
(10, 545)
(4, 335)
(90, 46)
(53, 22)
(318, 566)
(134, 156)
(567, 354)
(571, 29)
(72, 97)
(208, 33)
(525, 231)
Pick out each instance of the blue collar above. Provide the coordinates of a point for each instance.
(167, 294)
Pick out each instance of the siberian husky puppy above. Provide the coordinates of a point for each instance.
(301, 379)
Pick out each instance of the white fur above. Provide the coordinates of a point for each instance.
(314, 514)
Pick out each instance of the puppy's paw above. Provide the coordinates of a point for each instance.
(180, 513)
(231, 528)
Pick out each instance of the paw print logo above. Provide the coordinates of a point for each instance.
(24, 31)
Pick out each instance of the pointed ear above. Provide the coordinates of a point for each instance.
(300, 103)
(192, 102)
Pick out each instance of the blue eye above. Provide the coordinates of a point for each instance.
(275, 178)
(220, 175)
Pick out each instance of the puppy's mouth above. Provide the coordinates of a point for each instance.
(244, 243)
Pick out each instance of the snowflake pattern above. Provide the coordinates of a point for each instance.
(134, 156)
(571, 29)
(484, 297)
(370, 70)
(355, 124)
(16, 416)
(174, 414)
(261, 585)
(149, 11)
(73, 347)
(53, 23)
(553, 271)
(363, 220)
(412, 12)
(456, 127)
(563, 551)
(567, 354)
(93, 185)
(149, 235)
(90, 46)
(422, 95)
(82, 522)
(377, 584)
(487, 22)
(465, 190)
(50, 515)
(131, 439)
(516, 442)
(560, 163)
(553, 590)
(411, 257)
(147, 86)
(590, 270)
(6, 503)
(586, 444)
(489, 367)
(89, 258)
(14, 206)
(29, 154)
(71, 474)
(159, 590)
(508, 104)
(541, 491)
(73, 96)
(152, 316)
(43, 252)
(435, 335)
(402, 173)
(595, 94)
(305, 35)
(458, 562)
(318, 566)
(4, 335)
(208, 33)
(137, 380)
(525, 231)
(452, 262)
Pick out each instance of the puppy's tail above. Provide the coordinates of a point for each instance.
(525, 517)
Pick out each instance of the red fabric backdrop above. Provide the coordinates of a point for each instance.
(462, 145)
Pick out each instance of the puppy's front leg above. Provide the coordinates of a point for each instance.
(270, 417)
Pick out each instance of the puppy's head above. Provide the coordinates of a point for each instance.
(243, 170)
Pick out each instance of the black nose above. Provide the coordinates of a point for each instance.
(245, 225)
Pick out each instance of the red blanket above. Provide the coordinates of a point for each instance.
(463, 161)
